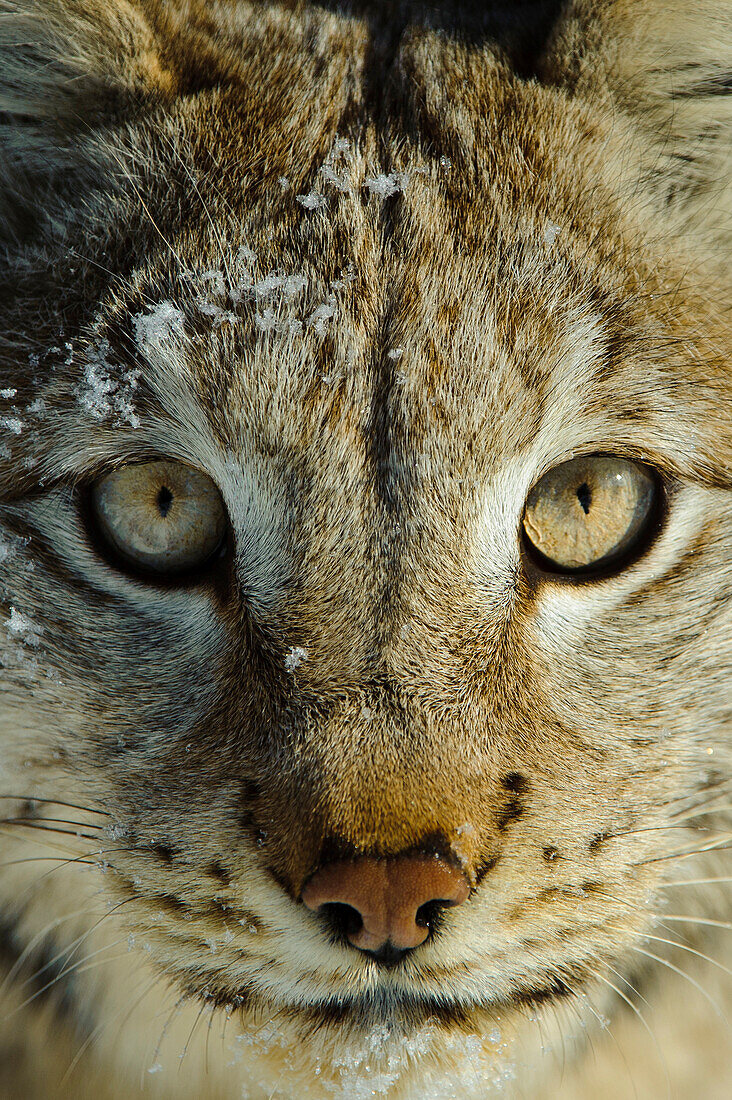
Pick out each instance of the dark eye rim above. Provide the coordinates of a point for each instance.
(215, 567)
(540, 568)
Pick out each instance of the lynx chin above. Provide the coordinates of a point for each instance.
(365, 570)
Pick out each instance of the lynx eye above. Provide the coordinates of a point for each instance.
(590, 514)
(162, 516)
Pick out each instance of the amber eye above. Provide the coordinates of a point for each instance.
(161, 516)
(591, 514)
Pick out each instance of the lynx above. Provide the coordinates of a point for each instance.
(365, 468)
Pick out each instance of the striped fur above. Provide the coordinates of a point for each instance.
(418, 256)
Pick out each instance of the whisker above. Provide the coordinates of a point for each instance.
(657, 829)
(228, 1011)
(697, 920)
(42, 820)
(190, 1035)
(176, 1008)
(69, 951)
(55, 802)
(208, 1038)
(26, 837)
(685, 947)
(703, 809)
(82, 965)
(61, 862)
(33, 825)
(204, 206)
(39, 992)
(708, 808)
(95, 263)
(683, 974)
(209, 177)
(90, 931)
(715, 846)
(695, 882)
(45, 859)
(605, 1026)
(32, 944)
(639, 1014)
(100, 1028)
(629, 984)
(128, 176)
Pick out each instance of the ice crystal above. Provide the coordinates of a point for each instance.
(383, 186)
(23, 629)
(13, 424)
(163, 322)
(9, 546)
(336, 170)
(320, 317)
(312, 201)
(108, 391)
(288, 285)
(295, 658)
(551, 233)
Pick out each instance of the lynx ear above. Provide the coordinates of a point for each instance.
(666, 65)
(69, 70)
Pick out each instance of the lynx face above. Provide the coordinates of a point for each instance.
(366, 468)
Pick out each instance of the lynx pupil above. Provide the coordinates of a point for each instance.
(584, 496)
(164, 501)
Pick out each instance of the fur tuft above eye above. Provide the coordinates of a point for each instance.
(163, 517)
(591, 514)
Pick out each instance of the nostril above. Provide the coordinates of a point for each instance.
(428, 914)
(370, 902)
(343, 920)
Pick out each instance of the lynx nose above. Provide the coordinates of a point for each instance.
(385, 906)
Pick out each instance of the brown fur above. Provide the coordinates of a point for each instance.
(376, 667)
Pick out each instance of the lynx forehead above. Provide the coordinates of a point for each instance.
(364, 538)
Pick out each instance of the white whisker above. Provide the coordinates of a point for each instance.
(676, 918)
(641, 1017)
(683, 974)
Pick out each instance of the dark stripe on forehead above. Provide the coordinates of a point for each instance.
(385, 442)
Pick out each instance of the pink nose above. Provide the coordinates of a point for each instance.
(394, 898)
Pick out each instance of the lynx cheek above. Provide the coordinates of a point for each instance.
(163, 517)
(591, 514)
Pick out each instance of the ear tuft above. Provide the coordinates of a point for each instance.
(68, 68)
(667, 66)
(74, 60)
